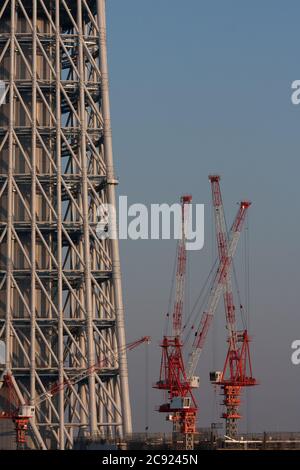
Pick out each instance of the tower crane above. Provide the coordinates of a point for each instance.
(217, 289)
(237, 371)
(176, 378)
(181, 405)
(22, 413)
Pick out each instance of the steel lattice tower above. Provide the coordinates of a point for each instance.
(61, 308)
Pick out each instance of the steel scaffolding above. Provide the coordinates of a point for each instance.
(61, 308)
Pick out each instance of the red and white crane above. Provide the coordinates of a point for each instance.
(180, 405)
(217, 289)
(21, 413)
(177, 379)
(237, 371)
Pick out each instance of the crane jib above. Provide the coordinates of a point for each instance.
(217, 289)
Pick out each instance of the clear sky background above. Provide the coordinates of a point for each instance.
(201, 86)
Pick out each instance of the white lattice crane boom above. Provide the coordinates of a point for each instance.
(216, 290)
(222, 243)
(181, 268)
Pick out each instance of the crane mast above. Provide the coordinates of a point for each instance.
(237, 371)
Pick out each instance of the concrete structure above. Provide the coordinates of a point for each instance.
(61, 307)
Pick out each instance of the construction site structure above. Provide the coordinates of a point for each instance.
(237, 371)
(61, 307)
(177, 377)
(21, 413)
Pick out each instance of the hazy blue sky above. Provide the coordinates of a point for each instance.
(202, 86)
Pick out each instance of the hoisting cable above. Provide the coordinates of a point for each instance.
(247, 270)
(196, 310)
(147, 387)
(247, 296)
(170, 304)
(187, 299)
(214, 405)
(241, 307)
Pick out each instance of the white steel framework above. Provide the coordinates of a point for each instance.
(61, 307)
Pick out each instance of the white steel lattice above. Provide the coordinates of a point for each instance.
(61, 306)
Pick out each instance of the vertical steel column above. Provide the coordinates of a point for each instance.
(9, 241)
(61, 410)
(85, 204)
(33, 206)
(111, 196)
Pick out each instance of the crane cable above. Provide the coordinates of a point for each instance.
(204, 293)
(247, 270)
(170, 303)
(238, 292)
(215, 405)
(247, 300)
(187, 290)
(147, 387)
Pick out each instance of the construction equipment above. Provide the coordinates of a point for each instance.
(181, 406)
(237, 371)
(21, 414)
(175, 378)
(217, 289)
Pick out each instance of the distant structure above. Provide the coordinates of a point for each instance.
(61, 309)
